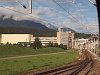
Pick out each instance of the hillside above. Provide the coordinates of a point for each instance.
(12, 26)
(9, 25)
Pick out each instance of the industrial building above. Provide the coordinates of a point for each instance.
(14, 38)
(65, 38)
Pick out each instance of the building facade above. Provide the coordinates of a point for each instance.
(65, 38)
(44, 40)
(80, 43)
(14, 38)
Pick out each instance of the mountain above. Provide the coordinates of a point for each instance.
(66, 29)
(52, 26)
(9, 25)
(9, 22)
(12, 26)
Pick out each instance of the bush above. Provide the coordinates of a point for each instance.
(63, 46)
(50, 44)
(56, 45)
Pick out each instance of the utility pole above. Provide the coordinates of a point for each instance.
(98, 11)
(30, 6)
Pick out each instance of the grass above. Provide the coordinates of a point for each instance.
(15, 66)
(11, 51)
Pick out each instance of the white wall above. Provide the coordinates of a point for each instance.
(14, 38)
(45, 40)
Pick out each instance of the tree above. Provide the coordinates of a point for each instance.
(31, 44)
(61, 45)
(56, 44)
(50, 44)
(65, 47)
(8, 43)
(37, 43)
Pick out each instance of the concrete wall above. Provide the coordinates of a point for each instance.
(65, 38)
(45, 40)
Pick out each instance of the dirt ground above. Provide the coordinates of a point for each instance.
(96, 67)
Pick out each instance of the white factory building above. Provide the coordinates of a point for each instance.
(79, 43)
(65, 38)
(14, 38)
(44, 40)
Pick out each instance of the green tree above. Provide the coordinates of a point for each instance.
(65, 47)
(61, 45)
(37, 43)
(50, 44)
(31, 44)
(56, 44)
(8, 43)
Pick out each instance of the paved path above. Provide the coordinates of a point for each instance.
(30, 55)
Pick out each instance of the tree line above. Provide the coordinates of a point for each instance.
(37, 44)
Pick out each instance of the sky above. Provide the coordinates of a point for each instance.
(79, 15)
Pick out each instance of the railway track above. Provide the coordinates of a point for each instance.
(82, 67)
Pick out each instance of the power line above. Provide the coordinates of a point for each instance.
(65, 15)
(24, 14)
(82, 14)
(71, 14)
(51, 9)
(67, 11)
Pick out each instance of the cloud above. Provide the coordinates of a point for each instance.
(8, 11)
(46, 11)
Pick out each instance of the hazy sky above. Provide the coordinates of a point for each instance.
(80, 15)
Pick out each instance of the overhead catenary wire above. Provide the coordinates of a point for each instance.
(29, 15)
(52, 9)
(68, 12)
(71, 14)
(75, 19)
(63, 14)
(82, 14)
